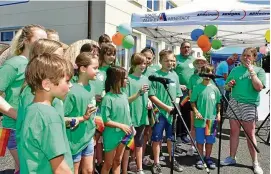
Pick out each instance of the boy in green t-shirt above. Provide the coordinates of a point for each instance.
(159, 96)
(205, 103)
(44, 146)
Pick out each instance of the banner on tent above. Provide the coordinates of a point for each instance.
(236, 16)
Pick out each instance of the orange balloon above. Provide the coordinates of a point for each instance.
(117, 39)
(203, 41)
(206, 48)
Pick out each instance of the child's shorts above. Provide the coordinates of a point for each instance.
(201, 137)
(88, 151)
(139, 137)
(158, 129)
(12, 145)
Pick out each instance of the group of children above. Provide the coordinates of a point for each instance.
(53, 107)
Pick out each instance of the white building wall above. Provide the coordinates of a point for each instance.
(69, 18)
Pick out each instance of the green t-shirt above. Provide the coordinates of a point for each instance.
(243, 91)
(11, 80)
(150, 70)
(206, 99)
(115, 107)
(157, 89)
(184, 69)
(75, 105)
(138, 108)
(43, 138)
(194, 80)
(25, 99)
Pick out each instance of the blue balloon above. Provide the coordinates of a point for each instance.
(195, 34)
(125, 29)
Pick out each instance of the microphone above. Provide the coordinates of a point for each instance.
(160, 79)
(212, 76)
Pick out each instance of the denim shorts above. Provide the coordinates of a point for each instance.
(201, 137)
(88, 151)
(12, 145)
(159, 127)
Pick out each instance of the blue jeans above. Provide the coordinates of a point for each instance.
(88, 151)
(158, 129)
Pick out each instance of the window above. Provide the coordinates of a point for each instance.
(169, 5)
(153, 5)
(122, 53)
(154, 45)
(6, 36)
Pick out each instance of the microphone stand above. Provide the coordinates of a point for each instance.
(220, 127)
(175, 112)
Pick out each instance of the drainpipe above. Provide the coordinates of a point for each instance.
(89, 19)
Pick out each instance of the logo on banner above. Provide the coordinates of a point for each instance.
(238, 14)
(261, 13)
(162, 17)
(213, 14)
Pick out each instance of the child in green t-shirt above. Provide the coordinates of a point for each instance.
(44, 147)
(159, 96)
(12, 77)
(107, 58)
(26, 97)
(194, 80)
(116, 116)
(80, 105)
(137, 90)
(151, 68)
(205, 103)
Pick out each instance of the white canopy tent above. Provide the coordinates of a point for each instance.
(239, 24)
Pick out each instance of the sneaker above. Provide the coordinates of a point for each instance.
(257, 169)
(210, 163)
(185, 139)
(199, 165)
(177, 166)
(156, 169)
(191, 151)
(140, 172)
(132, 166)
(147, 161)
(228, 161)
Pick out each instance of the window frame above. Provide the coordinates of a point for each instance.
(5, 31)
(153, 5)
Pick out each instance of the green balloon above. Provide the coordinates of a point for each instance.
(210, 30)
(128, 42)
(216, 44)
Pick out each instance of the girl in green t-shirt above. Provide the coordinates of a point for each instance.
(116, 116)
(137, 89)
(107, 58)
(151, 68)
(80, 106)
(12, 77)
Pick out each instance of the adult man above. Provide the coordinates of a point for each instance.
(223, 69)
(184, 70)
